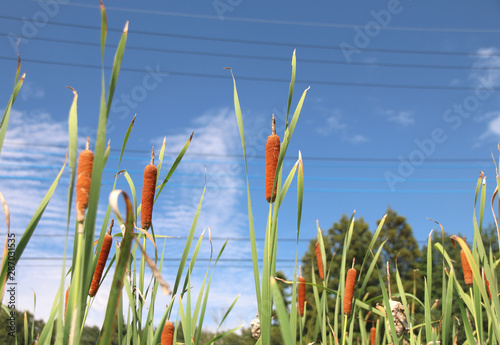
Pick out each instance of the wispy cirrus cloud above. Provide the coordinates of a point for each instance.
(404, 117)
(336, 124)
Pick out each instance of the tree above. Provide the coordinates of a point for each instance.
(334, 247)
(401, 248)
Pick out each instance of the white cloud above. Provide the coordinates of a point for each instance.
(493, 129)
(358, 139)
(335, 124)
(487, 73)
(31, 91)
(404, 118)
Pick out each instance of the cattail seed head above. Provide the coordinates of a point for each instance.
(487, 283)
(272, 155)
(148, 193)
(466, 269)
(167, 335)
(83, 180)
(317, 248)
(66, 301)
(101, 262)
(373, 335)
(302, 294)
(350, 282)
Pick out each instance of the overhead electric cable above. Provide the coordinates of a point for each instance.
(276, 80)
(277, 21)
(261, 57)
(256, 42)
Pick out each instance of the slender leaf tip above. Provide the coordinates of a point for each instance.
(125, 29)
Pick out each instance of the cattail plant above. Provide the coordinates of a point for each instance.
(148, 192)
(84, 177)
(350, 282)
(101, 262)
(167, 336)
(301, 292)
(466, 268)
(373, 335)
(319, 260)
(487, 283)
(66, 301)
(272, 154)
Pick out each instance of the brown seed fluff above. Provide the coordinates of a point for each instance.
(167, 336)
(83, 179)
(148, 194)
(302, 295)
(101, 263)
(350, 282)
(319, 260)
(466, 269)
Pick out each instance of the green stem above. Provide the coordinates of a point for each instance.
(345, 330)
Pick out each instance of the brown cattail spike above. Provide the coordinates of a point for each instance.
(272, 155)
(148, 193)
(83, 180)
(487, 284)
(167, 336)
(66, 301)
(373, 335)
(101, 262)
(350, 282)
(317, 248)
(466, 269)
(302, 295)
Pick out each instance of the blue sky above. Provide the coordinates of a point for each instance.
(402, 111)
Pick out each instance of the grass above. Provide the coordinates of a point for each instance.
(478, 320)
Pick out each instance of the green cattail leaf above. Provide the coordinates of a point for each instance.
(292, 84)
(282, 314)
(72, 150)
(26, 329)
(189, 241)
(253, 242)
(132, 192)
(116, 66)
(46, 333)
(429, 259)
(30, 229)
(160, 159)
(300, 195)
(226, 314)
(205, 299)
(174, 166)
(6, 114)
(104, 29)
(387, 306)
(447, 315)
(222, 335)
(107, 329)
(125, 139)
(191, 264)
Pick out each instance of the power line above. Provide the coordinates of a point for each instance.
(146, 153)
(260, 57)
(253, 176)
(280, 22)
(261, 79)
(256, 42)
